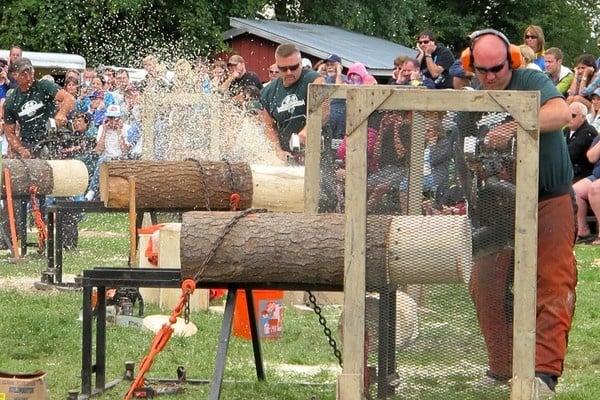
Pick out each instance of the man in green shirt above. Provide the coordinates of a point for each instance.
(284, 100)
(491, 280)
(560, 75)
(30, 105)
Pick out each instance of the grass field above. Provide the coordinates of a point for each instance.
(40, 330)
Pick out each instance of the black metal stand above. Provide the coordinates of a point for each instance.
(103, 278)
(52, 276)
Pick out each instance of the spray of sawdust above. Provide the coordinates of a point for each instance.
(186, 117)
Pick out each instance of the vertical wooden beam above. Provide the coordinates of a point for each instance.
(525, 279)
(350, 383)
(312, 161)
(415, 179)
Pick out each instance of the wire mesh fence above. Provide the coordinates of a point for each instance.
(439, 249)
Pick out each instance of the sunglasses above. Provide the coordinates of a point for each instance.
(530, 37)
(574, 115)
(273, 71)
(494, 70)
(285, 68)
(423, 41)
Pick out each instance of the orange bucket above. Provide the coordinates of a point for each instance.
(268, 308)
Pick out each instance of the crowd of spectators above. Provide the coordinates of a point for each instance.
(107, 111)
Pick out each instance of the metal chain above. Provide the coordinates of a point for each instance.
(317, 309)
(186, 312)
(226, 229)
(202, 181)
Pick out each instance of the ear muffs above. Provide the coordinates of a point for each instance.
(515, 57)
(513, 54)
(466, 59)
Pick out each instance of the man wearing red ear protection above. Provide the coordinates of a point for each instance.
(491, 280)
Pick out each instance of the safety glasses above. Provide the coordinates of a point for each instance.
(494, 70)
(285, 68)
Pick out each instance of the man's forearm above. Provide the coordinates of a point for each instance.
(554, 114)
(434, 69)
(66, 105)
(13, 140)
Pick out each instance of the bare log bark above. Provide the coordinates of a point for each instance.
(26, 172)
(176, 184)
(278, 248)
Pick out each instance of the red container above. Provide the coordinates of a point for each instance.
(268, 308)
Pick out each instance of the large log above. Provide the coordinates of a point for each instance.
(52, 178)
(296, 248)
(175, 184)
(178, 184)
(276, 247)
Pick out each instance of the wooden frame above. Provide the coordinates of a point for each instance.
(361, 102)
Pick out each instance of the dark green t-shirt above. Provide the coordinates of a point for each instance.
(555, 173)
(31, 109)
(287, 105)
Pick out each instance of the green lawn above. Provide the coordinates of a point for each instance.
(40, 330)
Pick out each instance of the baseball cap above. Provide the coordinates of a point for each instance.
(21, 64)
(98, 94)
(306, 63)
(596, 92)
(113, 111)
(334, 58)
(235, 59)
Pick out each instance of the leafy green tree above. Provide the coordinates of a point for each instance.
(124, 31)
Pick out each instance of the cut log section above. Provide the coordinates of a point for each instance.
(187, 185)
(69, 177)
(309, 249)
(60, 178)
(278, 189)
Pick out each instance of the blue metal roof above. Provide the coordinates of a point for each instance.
(321, 40)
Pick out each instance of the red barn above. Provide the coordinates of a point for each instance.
(255, 40)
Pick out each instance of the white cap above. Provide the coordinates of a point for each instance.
(306, 63)
(113, 111)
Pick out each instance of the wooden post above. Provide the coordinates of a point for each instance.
(350, 383)
(132, 221)
(313, 150)
(526, 236)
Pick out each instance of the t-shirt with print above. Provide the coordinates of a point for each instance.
(287, 105)
(31, 109)
(555, 171)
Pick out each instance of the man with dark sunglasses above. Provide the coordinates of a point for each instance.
(492, 276)
(435, 59)
(284, 100)
(273, 74)
(579, 135)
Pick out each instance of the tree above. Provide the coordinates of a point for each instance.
(122, 32)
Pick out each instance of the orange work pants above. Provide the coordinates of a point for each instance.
(491, 291)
